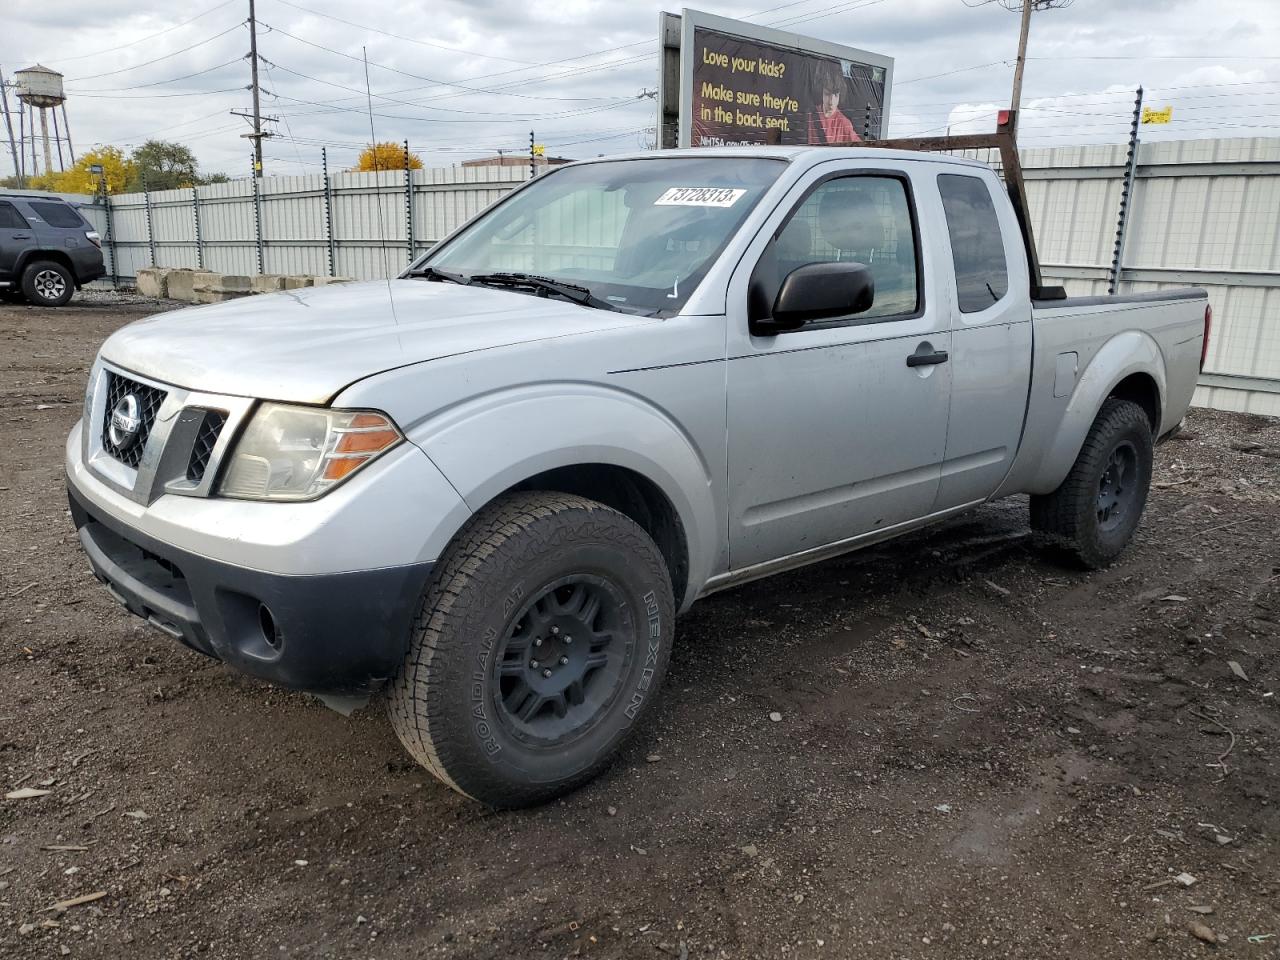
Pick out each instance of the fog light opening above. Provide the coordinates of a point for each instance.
(270, 632)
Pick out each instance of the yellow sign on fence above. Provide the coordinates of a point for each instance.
(1157, 116)
(539, 150)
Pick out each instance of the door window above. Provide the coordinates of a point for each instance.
(862, 219)
(10, 218)
(977, 245)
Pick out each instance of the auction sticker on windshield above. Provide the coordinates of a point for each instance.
(699, 197)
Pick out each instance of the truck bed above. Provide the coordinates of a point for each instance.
(1085, 346)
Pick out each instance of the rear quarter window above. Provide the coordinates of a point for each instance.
(56, 214)
(977, 245)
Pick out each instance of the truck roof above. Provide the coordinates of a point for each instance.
(804, 155)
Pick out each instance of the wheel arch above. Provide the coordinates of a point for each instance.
(631, 494)
(29, 257)
(595, 442)
(1130, 366)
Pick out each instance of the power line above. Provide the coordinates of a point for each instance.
(823, 13)
(161, 96)
(167, 56)
(133, 43)
(415, 76)
(156, 83)
(334, 108)
(396, 36)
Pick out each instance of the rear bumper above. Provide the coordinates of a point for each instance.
(89, 264)
(341, 633)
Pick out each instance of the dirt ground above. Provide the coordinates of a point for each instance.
(981, 752)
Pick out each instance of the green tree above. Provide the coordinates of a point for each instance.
(162, 165)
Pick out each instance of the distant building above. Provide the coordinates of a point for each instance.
(516, 160)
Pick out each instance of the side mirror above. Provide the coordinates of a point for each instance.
(818, 291)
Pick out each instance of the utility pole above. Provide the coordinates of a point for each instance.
(1025, 8)
(257, 134)
(8, 123)
(1017, 71)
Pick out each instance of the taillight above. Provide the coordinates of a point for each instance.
(1208, 325)
(92, 237)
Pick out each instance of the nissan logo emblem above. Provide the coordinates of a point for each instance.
(125, 422)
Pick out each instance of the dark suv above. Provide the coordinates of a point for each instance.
(47, 249)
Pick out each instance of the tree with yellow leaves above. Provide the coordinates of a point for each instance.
(117, 169)
(385, 156)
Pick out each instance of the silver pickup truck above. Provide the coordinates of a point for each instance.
(489, 485)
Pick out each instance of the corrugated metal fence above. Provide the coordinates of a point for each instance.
(1204, 212)
(347, 225)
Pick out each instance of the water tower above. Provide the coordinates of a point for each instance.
(40, 88)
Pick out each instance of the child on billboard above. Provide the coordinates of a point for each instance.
(829, 124)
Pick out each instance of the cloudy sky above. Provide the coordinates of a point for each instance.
(461, 78)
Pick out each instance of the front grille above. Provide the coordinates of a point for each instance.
(129, 451)
(210, 427)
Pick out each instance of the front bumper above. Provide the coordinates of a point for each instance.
(340, 633)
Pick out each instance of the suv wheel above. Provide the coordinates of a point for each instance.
(47, 284)
(538, 646)
(1094, 513)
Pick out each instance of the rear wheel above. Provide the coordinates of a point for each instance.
(1094, 513)
(538, 646)
(46, 283)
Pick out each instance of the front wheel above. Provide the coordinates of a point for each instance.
(1094, 513)
(538, 646)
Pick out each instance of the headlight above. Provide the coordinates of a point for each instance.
(298, 453)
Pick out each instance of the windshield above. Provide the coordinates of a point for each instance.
(637, 234)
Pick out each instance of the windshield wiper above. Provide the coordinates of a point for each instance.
(431, 273)
(544, 286)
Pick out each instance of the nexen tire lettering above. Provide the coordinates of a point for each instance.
(651, 659)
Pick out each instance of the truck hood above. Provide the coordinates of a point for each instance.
(306, 345)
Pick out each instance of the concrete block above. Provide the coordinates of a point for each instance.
(153, 281)
(219, 296)
(231, 283)
(293, 283)
(182, 285)
(325, 281)
(267, 283)
(203, 280)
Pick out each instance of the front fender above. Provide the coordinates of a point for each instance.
(1123, 355)
(489, 444)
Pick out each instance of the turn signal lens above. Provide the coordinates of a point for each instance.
(299, 453)
(366, 440)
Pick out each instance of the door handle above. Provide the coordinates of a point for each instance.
(22, 236)
(926, 359)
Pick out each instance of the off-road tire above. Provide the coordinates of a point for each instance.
(447, 703)
(1070, 518)
(46, 283)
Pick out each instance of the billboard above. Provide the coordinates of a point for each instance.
(725, 82)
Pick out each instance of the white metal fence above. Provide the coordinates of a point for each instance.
(347, 224)
(1204, 212)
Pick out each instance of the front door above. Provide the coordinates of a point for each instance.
(839, 428)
